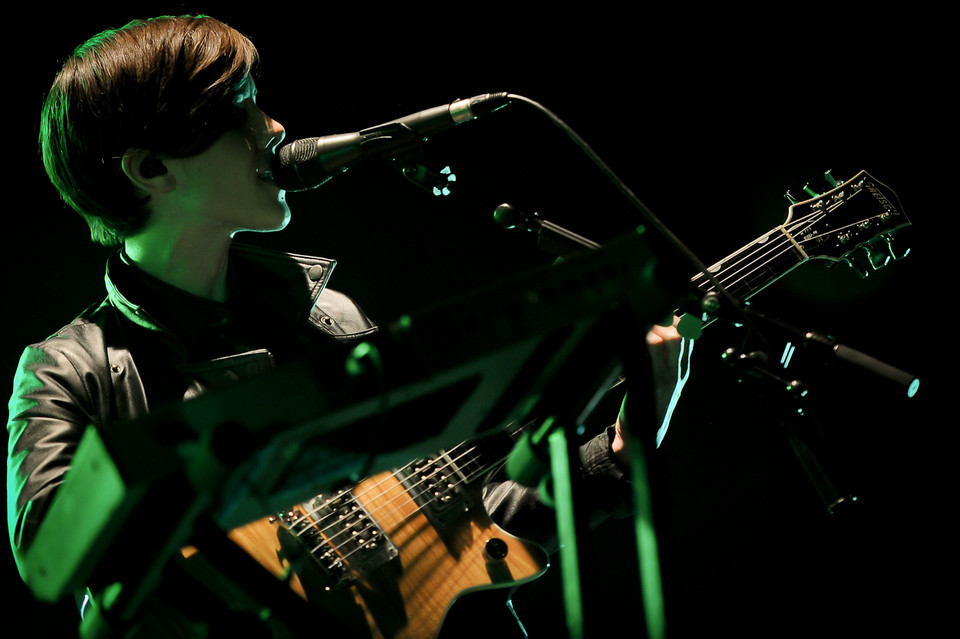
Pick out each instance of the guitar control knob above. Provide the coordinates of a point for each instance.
(496, 549)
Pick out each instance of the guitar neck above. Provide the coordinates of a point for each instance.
(754, 267)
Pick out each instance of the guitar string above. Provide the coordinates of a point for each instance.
(735, 268)
(367, 489)
(397, 472)
(784, 245)
(795, 230)
(761, 250)
(323, 523)
(333, 514)
(398, 509)
(815, 216)
(450, 464)
(800, 226)
(338, 545)
(732, 273)
(468, 477)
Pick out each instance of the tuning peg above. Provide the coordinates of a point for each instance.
(860, 262)
(792, 199)
(830, 179)
(810, 192)
(895, 247)
(878, 255)
(874, 256)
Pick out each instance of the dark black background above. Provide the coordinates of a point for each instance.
(709, 120)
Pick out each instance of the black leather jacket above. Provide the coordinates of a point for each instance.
(134, 351)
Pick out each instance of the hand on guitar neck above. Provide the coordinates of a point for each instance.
(664, 346)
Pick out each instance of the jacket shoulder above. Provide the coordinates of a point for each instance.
(337, 315)
(332, 312)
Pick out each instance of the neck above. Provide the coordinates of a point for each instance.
(195, 264)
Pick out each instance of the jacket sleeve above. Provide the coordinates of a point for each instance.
(521, 510)
(50, 408)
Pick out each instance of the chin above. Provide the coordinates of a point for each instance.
(286, 218)
(284, 210)
(279, 222)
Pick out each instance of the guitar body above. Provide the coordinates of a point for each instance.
(405, 594)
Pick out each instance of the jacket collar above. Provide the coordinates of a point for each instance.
(257, 278)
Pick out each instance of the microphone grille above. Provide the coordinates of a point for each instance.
(298, 151)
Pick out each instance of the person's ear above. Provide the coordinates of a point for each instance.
(146, 171)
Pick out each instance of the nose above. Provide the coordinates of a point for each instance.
(275, 133)
(266, 133)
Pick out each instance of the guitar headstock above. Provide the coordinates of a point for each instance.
(853, 222)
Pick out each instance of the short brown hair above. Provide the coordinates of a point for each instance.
(166, 84)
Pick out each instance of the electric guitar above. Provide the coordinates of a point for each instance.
(389, 556)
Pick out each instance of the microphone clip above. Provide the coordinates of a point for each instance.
(439, 183)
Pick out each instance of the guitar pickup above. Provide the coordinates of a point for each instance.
(438, 487)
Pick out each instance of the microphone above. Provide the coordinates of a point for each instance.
(308, 163)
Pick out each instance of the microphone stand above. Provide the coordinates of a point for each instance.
(807, 443)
